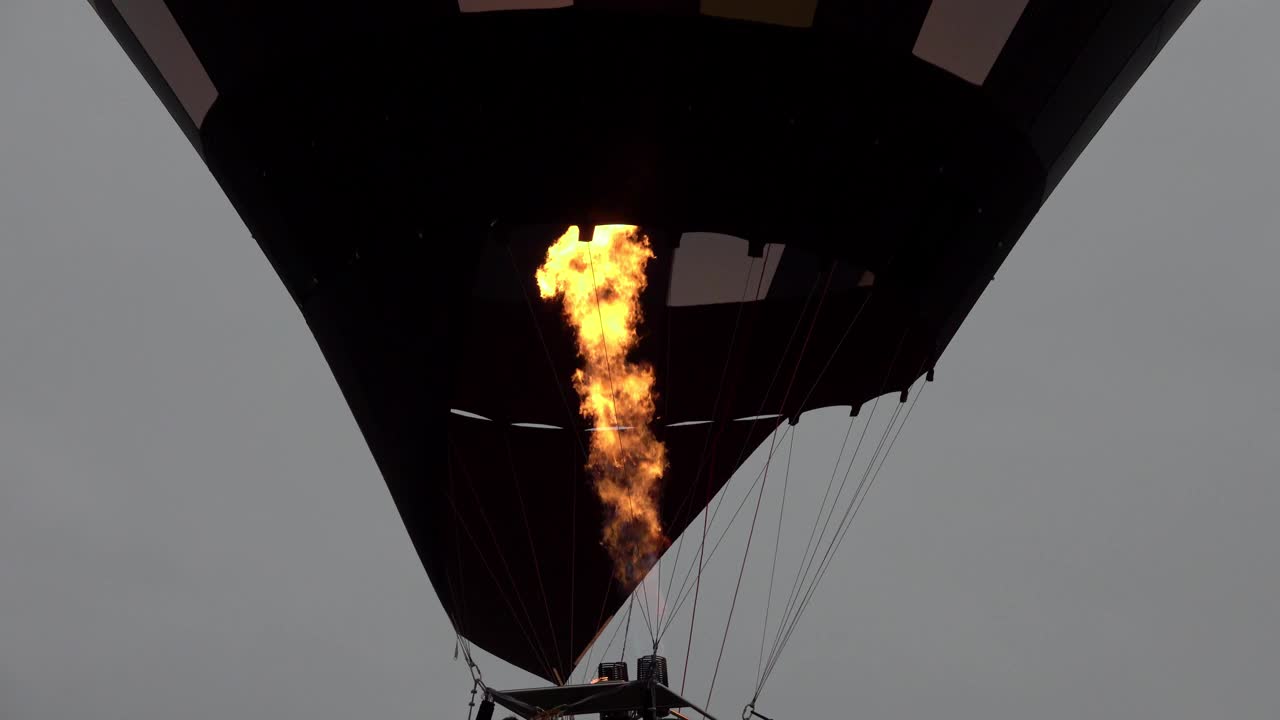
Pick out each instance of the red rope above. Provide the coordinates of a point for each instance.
(760, 496)
(715, 443)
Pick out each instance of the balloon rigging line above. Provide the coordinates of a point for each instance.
(720, 501)
(848, 329)
(807, 560)
(657, 601)
(716, 433)
(756, 416)
(644, 613)
(842, 530)
(686, 589)
(644, 607)
(502, 557)
(666, 414)
(539, 655)
(604, 600)
(847, 524)
(884, 458)
(815, 539)
(630, 606)
(777, 542)
(574, 417)
(835, 470)
(537, 569)
(586, 666)
(794, 608)
(682, 594)
(860, 494)
(715, 407)
(458, 592)
(777, 371)
(518, 277)
(840, 343)
(746, 552)
(702, 546)
(573, 543)
(808, 584)
(742, 451)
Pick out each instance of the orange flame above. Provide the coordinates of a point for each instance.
(599, 283)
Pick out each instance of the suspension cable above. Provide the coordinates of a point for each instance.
(777, 542)
(537, 568)
(746, 552)
(538, 649)
(607, 647)
(712, 440)
(835, 470)
(666, 616)
(759, 414)
(681, 594)
(712, 431)
(815, 538)
(687, 589)
(754, 420)
(807, 560)
(546, 351)
(519, 279)
(625, 633)
(842, 531)
(785, 629)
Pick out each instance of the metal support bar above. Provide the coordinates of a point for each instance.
(639, 696)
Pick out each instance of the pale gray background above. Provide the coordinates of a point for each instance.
(1079, 522)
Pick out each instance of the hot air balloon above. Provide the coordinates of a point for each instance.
(772, 206)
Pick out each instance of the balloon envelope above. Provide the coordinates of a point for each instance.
(828, 185)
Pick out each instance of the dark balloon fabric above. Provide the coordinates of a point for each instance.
(829, 185)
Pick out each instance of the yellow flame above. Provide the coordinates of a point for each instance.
(599, 283)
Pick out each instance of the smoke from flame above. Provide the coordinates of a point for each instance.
(599, 283)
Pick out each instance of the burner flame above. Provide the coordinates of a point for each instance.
(599, 285)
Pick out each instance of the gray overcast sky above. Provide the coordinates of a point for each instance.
(1079, 521)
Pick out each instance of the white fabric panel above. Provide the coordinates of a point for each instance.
(965, 37)
(710, 268)
(151, 22)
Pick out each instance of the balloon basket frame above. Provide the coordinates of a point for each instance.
(638, 698)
